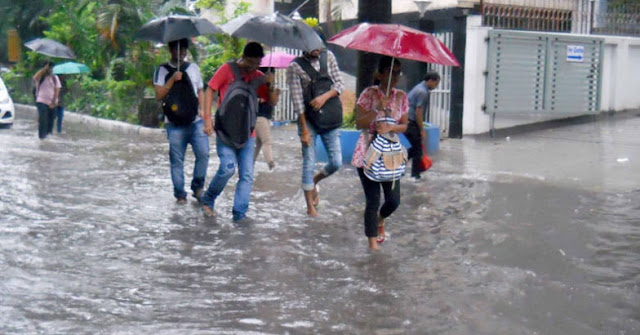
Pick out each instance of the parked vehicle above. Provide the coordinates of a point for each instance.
(7, 109)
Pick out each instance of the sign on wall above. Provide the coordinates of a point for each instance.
(575, 53)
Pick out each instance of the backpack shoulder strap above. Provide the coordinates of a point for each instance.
(235, 69)
(306, 67)
(323, 63)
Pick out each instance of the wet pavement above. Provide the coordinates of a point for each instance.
(537, 233)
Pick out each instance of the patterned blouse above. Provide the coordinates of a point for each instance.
(370, 100)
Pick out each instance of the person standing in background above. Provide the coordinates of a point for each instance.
(267, 99)
(418, 111)
(47, 89)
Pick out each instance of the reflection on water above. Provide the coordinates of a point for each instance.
(92, 242)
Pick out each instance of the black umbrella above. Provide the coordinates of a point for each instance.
(176, 27)
(51, 48)
(274, 30)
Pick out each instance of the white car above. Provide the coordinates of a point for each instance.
(7, 110)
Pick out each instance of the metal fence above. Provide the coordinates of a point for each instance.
(571, 16)
(284, 109)
(440, 98)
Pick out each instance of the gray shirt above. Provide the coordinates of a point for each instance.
(418, 97)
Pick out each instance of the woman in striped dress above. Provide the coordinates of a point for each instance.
(376, 102)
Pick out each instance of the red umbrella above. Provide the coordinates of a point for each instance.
(397, 41)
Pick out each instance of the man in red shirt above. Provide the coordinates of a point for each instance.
(230, 157)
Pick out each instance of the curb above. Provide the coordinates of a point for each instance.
(95, 122)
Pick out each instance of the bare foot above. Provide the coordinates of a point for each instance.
(311, 211)
(373, 244)
(381, 234)
(208, 211)
(311, 208)
(316, 195)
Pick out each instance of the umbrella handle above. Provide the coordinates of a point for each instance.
(393, 59)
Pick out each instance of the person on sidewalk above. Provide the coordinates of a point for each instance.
(47, 89)
(236, 83)
(374, 104)
(181, 90)
(315, 85)
(418, 113)
(267, 99)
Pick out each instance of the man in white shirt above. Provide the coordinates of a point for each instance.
(166, 80)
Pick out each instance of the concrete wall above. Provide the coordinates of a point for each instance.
(619, 91)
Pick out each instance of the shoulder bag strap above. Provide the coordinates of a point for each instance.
(306, 67)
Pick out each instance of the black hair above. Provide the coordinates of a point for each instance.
(253, 49)
(184, 44)
(431, 75)
(385, 63)
(47, 62)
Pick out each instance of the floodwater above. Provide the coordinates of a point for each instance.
(91, 242)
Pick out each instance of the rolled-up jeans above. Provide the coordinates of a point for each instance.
(179, 137)
(331, 141)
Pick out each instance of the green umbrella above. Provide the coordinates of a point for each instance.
(70, 68)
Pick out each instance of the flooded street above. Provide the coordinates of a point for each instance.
(92, 242)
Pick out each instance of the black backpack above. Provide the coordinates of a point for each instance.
(181, 103)
(236, 117)
(329, 117)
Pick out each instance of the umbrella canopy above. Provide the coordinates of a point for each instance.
(50, 47)
(70, 68)
(274, 30)
(176, 27)
(397, 41)
(277, 59)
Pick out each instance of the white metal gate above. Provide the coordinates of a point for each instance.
(284, 109)
(440, 98)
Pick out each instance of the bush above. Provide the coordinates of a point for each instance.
(108, 98)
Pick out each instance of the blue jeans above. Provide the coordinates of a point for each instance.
(58, 113)
(331, 141)
(229, 159)
(179, 137)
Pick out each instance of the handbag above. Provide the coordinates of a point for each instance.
(425, 163)
(386, 158)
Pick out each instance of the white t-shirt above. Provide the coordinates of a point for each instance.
(193, 71)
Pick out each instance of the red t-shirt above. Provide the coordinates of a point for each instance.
(224, 77)
(263, 92)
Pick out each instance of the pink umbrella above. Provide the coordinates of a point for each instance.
(278, 60)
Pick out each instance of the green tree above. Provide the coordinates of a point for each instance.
(220, 48)
(24, 16)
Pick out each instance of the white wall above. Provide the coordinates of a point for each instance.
(619, 90)
(621, 73)
(350, 12)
